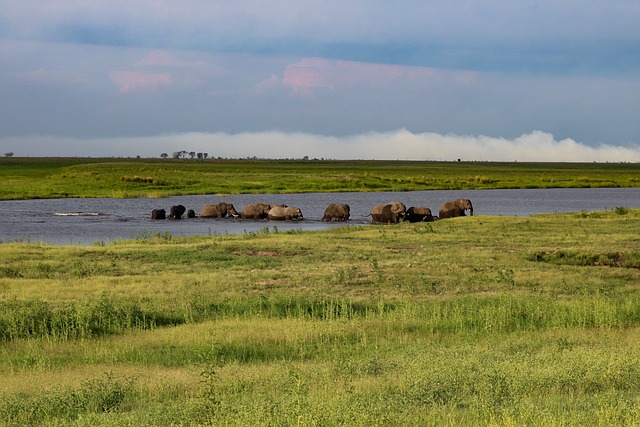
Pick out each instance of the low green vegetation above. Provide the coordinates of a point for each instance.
(27, 178)
(469, 321)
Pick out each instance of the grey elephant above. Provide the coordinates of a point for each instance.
(191, 213)
(219, 210)
(454, 208)
(177, 211)
(393, 212)
(289, 213)
(256, 211)
(336, 212)
(158, 214)
(419, 214)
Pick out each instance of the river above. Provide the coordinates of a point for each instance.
(102, 220)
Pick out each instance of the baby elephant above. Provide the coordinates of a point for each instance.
(419, 214)
(158, 214)
(280, 213)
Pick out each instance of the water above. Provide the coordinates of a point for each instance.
(87, 221)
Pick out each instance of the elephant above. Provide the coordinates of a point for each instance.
(219, 210)
(177, 211)
(336, 212)
(158, 214)
(285, 213)
(191, 213)
(454, 208)
(393, 212)
(256, 211)
(415, 214)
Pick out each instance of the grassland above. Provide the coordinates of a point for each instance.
(470, 321)
(27, 178)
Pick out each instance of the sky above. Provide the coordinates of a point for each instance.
(491, 80)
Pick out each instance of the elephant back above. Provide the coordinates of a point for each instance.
(210, 211)
(256, 211)
(285, 213)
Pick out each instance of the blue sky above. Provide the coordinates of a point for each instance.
(437, 80)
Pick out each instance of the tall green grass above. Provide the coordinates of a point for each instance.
(469, 315)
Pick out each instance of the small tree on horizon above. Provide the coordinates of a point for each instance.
(9, 154)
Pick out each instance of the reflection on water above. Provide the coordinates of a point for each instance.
(86, 221)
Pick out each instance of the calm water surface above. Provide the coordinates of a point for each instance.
(105, 220)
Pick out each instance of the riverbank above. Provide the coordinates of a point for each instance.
(33, 178)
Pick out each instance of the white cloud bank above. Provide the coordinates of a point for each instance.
(536, 146)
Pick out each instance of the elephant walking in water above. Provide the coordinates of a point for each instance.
(281, 213)
(336, 212)
(158, 214)
(390, 213)
(454, 208)
(219, 210)
(256, 211)
(177, 211)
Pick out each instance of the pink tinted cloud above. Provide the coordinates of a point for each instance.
(266, 85)
(306, 75)
(129, 81)
(309, 74)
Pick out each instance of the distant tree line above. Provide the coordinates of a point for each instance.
(183, 154)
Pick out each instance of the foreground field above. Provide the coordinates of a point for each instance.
(469, 321)
(28, 178)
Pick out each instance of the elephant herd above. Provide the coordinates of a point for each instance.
(396, 212)
(227, 210)
(393, 212)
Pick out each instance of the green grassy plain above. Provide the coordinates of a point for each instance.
(27, 178)
(470, 321)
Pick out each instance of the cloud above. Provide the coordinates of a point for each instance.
(461, 34)
(130, 81)
(398, 145)
(68, 90)
(306, 75)
(309, 74)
